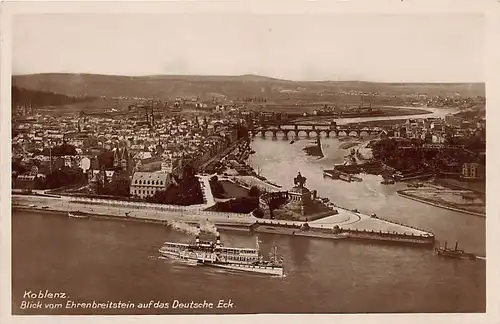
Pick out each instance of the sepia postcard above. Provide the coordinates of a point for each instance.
(239, 158)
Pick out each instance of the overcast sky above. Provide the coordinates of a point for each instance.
(389, 48)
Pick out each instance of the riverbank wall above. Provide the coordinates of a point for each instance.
(137, 212)
(367, 236)
(221, 226)
(403, 193)
(130, 210)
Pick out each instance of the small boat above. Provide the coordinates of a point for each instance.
(78, 214)
(345, 177)
(292, 141)
(348, 168)
(387, 181)
(331, 174)
(354, 178)
(455, 253)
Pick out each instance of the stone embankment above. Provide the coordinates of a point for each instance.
(355, 224)
(351, 226)
(130, 210)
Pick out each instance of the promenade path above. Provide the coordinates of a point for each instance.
(350, 220)
(358, 221)
(345, 219)
(207, 191)
(145, 213)
(252, 181)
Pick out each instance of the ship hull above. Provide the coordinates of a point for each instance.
(78, 216)
(275, 271)
(464, 256)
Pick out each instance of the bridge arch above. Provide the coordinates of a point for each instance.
(324, 133)
(364, 133)
(281, 132)
(298, 130)
(302, 132)
(269, 133)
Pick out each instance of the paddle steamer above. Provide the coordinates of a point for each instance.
(215, 254)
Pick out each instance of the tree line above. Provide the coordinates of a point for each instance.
(35, 98)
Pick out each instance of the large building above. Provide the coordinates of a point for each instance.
(145, 184)
(473, 171)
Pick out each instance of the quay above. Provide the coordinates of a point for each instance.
(358, 226)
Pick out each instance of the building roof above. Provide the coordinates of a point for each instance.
(151, 176)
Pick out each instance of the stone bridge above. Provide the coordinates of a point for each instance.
(294, 131)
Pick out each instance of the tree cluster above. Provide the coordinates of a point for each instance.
(60, 150)
(21, 96)
(275, 203)
(415, 158)
(184, 191)
(64, 177)
(242, 131)
(119, 186)
(259, 213)
(106, 159)
(254, 192)
(18, 167)
(216, 187)
(243, 205)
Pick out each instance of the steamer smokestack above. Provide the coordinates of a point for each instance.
(218, 239)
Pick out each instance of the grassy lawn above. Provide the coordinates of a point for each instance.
(233, 190)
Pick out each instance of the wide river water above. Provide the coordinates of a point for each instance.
(93, 260)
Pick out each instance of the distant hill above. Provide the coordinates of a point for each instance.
(36, 98)
(170, 86)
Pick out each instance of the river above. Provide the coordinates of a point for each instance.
(97, 260)
(433, 113)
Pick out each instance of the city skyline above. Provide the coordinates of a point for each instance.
(364, 47)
